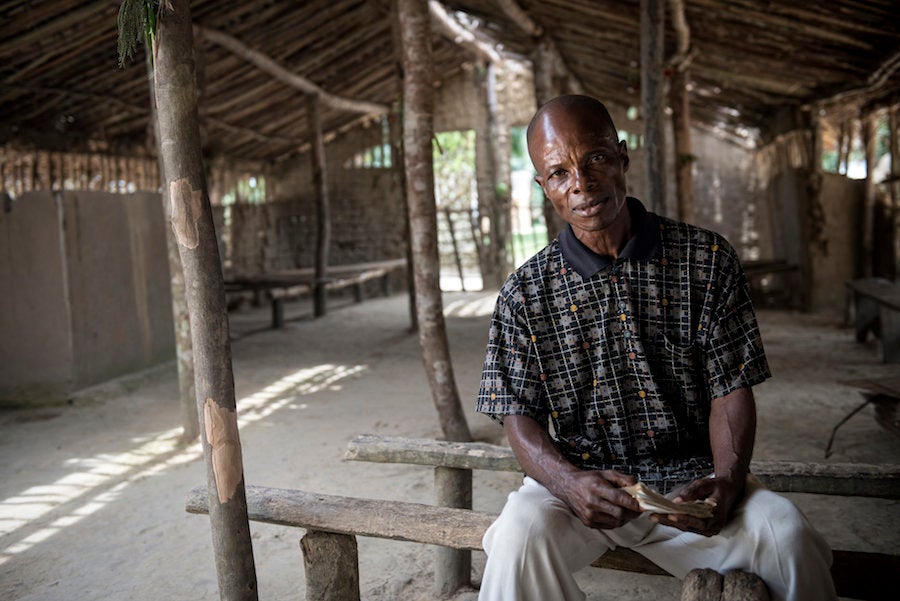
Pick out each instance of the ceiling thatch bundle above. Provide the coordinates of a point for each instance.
(61, 87)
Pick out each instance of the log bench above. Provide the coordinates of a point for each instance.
(332, 522)
(876, 308)
(772, 281)
(281, 285)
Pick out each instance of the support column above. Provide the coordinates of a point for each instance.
(323, 218)
(653, 35)
(869, 135)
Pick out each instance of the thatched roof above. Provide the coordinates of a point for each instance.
(60, 86)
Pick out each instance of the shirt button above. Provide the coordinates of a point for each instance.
(741, 367)
(612, 456)
(595, 383)
(533, 338)
(651, 433)
(585, 456)
(493, 396)
(665, 302)
(543, 377)
(573, 308)
(632, 355)
(623, 317)
(715, 247)
(562, 271)
(641, 393)
(554, 414)
(585, 345)
(615, 279)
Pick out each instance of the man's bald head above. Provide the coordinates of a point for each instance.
(588, 111)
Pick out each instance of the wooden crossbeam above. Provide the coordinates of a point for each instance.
(845, 479)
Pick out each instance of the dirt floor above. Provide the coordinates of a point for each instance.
(92, 494)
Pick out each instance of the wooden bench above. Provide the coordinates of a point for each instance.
(333, 522)
(876, 307)
(281, 285)
(768, 293)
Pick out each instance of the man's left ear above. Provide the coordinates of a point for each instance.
(623, 154)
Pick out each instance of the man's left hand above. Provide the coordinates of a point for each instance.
(724, 492)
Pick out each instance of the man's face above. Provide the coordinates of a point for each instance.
(580, 166)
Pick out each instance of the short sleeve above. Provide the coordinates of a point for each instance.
(510, 379)
(734, 351)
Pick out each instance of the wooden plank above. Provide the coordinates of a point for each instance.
(880, 289)
(858, 575)
(445, 526)
(849, 479)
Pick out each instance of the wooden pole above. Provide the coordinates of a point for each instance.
(485, 176)
(459, 268)
(894, 185)
(190, 420)
(502, 188)
(653, 32)
(192, 222)
(868, 125)
(453, 567)
(397, 162)
(323, 218)
(679, 98)
(418, 130)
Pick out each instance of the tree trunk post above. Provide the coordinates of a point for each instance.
(485, 176)
(679, 99)
(418, 130)
(502, 184)
(546, 87)
(331, 563)
(653, 32)
(192, 223)
(323, 218)
(894, 184)
(184, 360)
(397, 166)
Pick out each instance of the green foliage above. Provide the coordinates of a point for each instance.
(137, 21)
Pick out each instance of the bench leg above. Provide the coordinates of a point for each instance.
(866, 317)
(277, 312)
(331, 562)
(452, 567)
(890, 335)
(320, 297)
(358, 292)
(386, 288)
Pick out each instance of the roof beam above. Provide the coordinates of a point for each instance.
(298, 82)
(459, 34)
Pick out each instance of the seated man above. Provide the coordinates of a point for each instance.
(626, 350)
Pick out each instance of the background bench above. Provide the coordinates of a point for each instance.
(876, 309)
(333, 522)
(281, 285)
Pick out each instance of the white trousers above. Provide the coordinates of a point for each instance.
(537, 544)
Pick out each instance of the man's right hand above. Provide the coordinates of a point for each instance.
(595, 497)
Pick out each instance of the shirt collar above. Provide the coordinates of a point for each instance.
(642, 246)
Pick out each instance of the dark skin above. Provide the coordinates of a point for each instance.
(581, 167)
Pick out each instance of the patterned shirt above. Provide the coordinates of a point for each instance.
(622, 358)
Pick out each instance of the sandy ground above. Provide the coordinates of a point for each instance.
(93, 493)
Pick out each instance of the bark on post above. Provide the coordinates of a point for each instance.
(184, 360)
(653, 31)
(193, 226)
(418, 130)
(323, 219)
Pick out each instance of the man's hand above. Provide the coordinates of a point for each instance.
(725, 493)
(596, 498)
